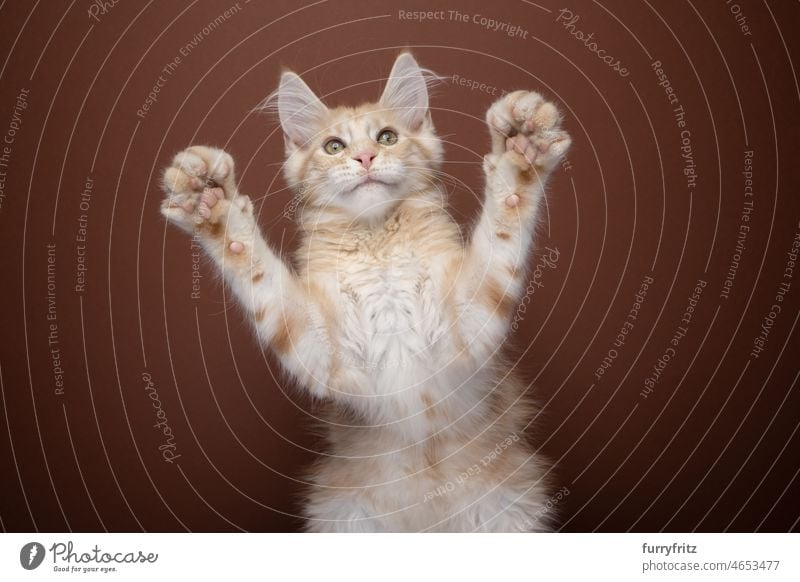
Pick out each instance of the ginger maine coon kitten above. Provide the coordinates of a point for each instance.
(387, 315)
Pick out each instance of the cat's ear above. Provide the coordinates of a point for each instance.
(299, 109)
(406, 92)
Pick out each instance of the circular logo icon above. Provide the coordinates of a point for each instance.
(31, 555)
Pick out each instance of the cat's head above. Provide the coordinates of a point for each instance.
(361, 161)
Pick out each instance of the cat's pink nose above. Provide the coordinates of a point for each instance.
(365, 159)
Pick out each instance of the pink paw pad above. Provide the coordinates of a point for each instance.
(523, 146)
(208, 200)
(212, 195)
(512, 201)
(236, 247)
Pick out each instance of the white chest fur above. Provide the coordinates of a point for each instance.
(389, 302)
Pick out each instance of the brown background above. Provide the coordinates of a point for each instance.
(713, 448)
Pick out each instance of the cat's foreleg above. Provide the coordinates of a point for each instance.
(202, 199)
(527, 145)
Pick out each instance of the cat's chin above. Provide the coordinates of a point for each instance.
(372, 201)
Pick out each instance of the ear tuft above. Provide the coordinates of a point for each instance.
(300, 111)
(406, 91)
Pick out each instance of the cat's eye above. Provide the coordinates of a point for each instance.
(334, 146)
(387, 137)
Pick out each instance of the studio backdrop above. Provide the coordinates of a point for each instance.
(658, 327)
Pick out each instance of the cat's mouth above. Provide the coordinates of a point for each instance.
(366, 180)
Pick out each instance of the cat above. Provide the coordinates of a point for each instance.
(388, 318)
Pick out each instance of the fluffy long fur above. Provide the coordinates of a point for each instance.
(391, 320)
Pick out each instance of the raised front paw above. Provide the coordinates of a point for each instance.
(199, 186)
(524, 123)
